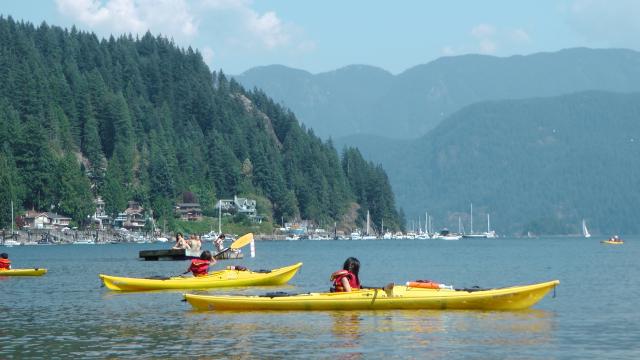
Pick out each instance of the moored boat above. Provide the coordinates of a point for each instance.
(23, 272)
(397, 297)
(221, 278)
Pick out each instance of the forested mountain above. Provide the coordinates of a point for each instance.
(142, 119)
(367, 100)
(537, 165)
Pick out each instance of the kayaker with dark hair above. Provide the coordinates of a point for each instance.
(200, 267)
(347, 279)
(5, 263)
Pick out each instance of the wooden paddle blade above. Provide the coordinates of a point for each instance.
(243, 240)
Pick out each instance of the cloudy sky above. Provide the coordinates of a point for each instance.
(236, 35)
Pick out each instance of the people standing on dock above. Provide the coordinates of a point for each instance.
(181, 243)
(195, 243)
(219, 242)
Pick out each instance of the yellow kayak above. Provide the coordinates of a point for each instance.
(23, 272)
(612, 242)
(399, 297)
(221, 278)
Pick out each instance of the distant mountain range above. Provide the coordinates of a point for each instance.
(524, 138)
(538, 165)
(361, 99)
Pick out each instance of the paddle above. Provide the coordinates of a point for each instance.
(242, 241)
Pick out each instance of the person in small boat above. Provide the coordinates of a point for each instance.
(5, 263)
(347, 279)
(219, 242)
(181, 243)
(200, 267)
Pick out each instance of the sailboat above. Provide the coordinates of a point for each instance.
(585, 231)
(471, 234)
(367, 235)
(490, 234)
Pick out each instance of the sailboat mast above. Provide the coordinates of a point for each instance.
(367, 222)
(426, 222)
(488, 223)
(471, 218)
(12, 219)
(219, 217)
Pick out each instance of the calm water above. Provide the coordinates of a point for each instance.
(67, 313)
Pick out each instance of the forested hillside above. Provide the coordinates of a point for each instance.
(370, 101)
(538, 165)
(142, 119)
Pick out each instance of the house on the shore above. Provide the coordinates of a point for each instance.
(239, 205)
(188, 211)
(133, 218)
(45, 220)
(100, 217)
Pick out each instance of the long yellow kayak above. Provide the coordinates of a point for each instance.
(399, 297)
(23, 272)
(221, 278)
(612, 242)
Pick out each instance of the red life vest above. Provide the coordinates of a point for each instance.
(199, 267)
(5, 264)
(351, 278)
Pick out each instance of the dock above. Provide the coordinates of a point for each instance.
(182, 254)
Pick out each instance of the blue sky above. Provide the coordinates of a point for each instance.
(235, 35)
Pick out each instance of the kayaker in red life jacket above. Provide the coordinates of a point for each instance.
(5, 263)
(200, 267)
(347, 279)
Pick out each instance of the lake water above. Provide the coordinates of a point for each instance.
(67, 314)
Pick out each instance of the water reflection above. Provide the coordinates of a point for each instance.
(347, 333)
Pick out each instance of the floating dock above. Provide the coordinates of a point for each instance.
(181, 254)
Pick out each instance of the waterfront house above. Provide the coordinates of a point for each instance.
(45, 220)
(133, 217)
(188, 211)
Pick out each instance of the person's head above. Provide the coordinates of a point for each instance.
(4, 255)
(206, 255)
(179, 236)
(221, 236)
(352, 264)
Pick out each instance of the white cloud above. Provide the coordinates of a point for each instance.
(605, 23)
(169, 17)
(485, 34)
(250, 27)
(208, 55)
(487, 46)
(483, 31)
(223, 30)
(519, 36)
(448, 50)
